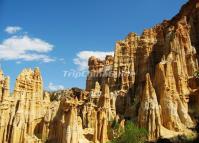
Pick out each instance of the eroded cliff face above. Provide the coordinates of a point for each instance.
(22, 112)
(67, 116)
(168, 54)
(149, 115)
(149, 80)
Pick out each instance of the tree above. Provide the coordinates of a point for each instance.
(131, 134)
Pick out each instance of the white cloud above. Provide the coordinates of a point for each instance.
(82, 58)
(12, 29)
(53, 87)
(25, 48)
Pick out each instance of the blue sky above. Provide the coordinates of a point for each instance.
(57, 35)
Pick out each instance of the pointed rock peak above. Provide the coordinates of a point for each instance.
(26, 71)
(37, 72)
(149, 90)
(7, 80)
(149, 114)
(37, 69)
(1, 74)
(97, 86)
(105, 90)
(160, 70)
(1, 71)
(148, 80)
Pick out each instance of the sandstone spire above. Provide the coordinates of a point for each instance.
(149, 111)
(1, 74)
(29, 84)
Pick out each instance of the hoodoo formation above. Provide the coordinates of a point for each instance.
(149, 80)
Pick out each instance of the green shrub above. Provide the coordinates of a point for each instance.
(196, 74)
(114, 124)
(131, 134)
